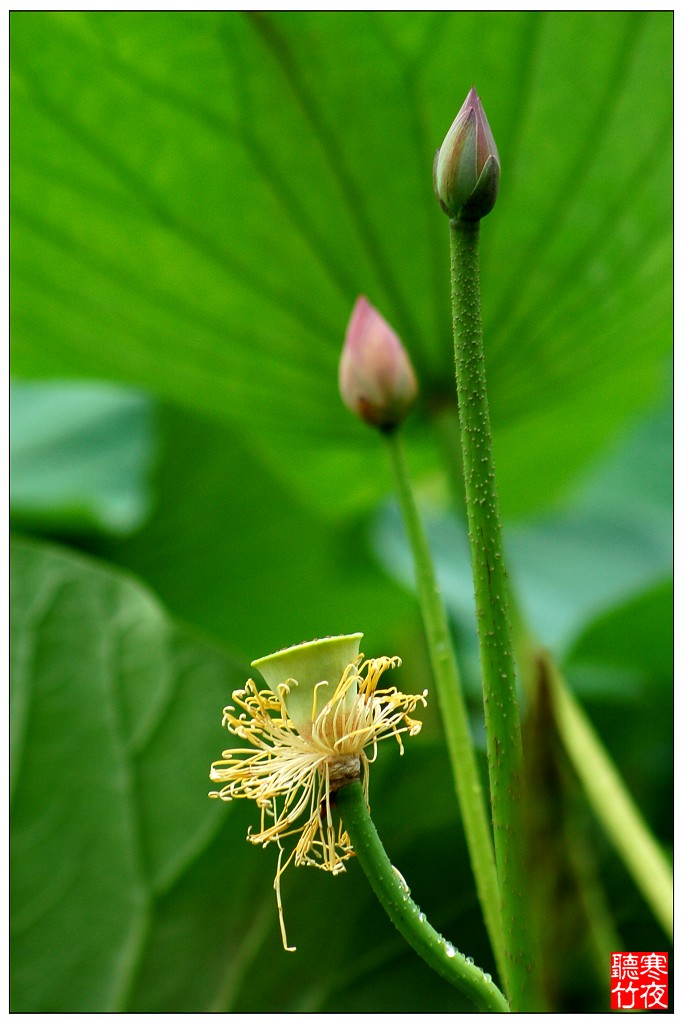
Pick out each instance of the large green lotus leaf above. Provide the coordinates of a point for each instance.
(230, 550)
(198, 197)
(131, 891)
(80, 456)
(115, 719)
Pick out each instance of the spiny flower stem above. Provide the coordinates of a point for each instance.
(439, 954)
(490, 588)
(473, 809)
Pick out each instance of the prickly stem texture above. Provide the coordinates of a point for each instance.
(394, 895)
(473, 808)
(493, 622)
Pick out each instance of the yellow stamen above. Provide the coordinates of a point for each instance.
(306, 770)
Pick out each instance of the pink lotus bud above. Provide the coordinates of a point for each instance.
(467, 167)
(376, 379)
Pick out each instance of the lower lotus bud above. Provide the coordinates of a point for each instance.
(376, 378)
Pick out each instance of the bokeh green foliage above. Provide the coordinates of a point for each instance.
(197, 199)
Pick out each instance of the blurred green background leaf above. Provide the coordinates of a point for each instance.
(256, 565)
(80, 456)
(107, 794)
(197, 199)
(613, 539)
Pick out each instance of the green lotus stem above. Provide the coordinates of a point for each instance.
(411, 922)
(475, 815)
(501, 709)
(611, 802)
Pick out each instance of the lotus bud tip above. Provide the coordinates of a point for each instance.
(376, 378)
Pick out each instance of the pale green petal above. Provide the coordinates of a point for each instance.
(302, 667)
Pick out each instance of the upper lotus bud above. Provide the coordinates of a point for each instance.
(307, 675)
(467, 167)
(376, 378)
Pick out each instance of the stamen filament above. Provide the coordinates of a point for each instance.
(307, 770)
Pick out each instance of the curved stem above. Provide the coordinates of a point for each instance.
(490, 588)
(475, 816)
(439, 954)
